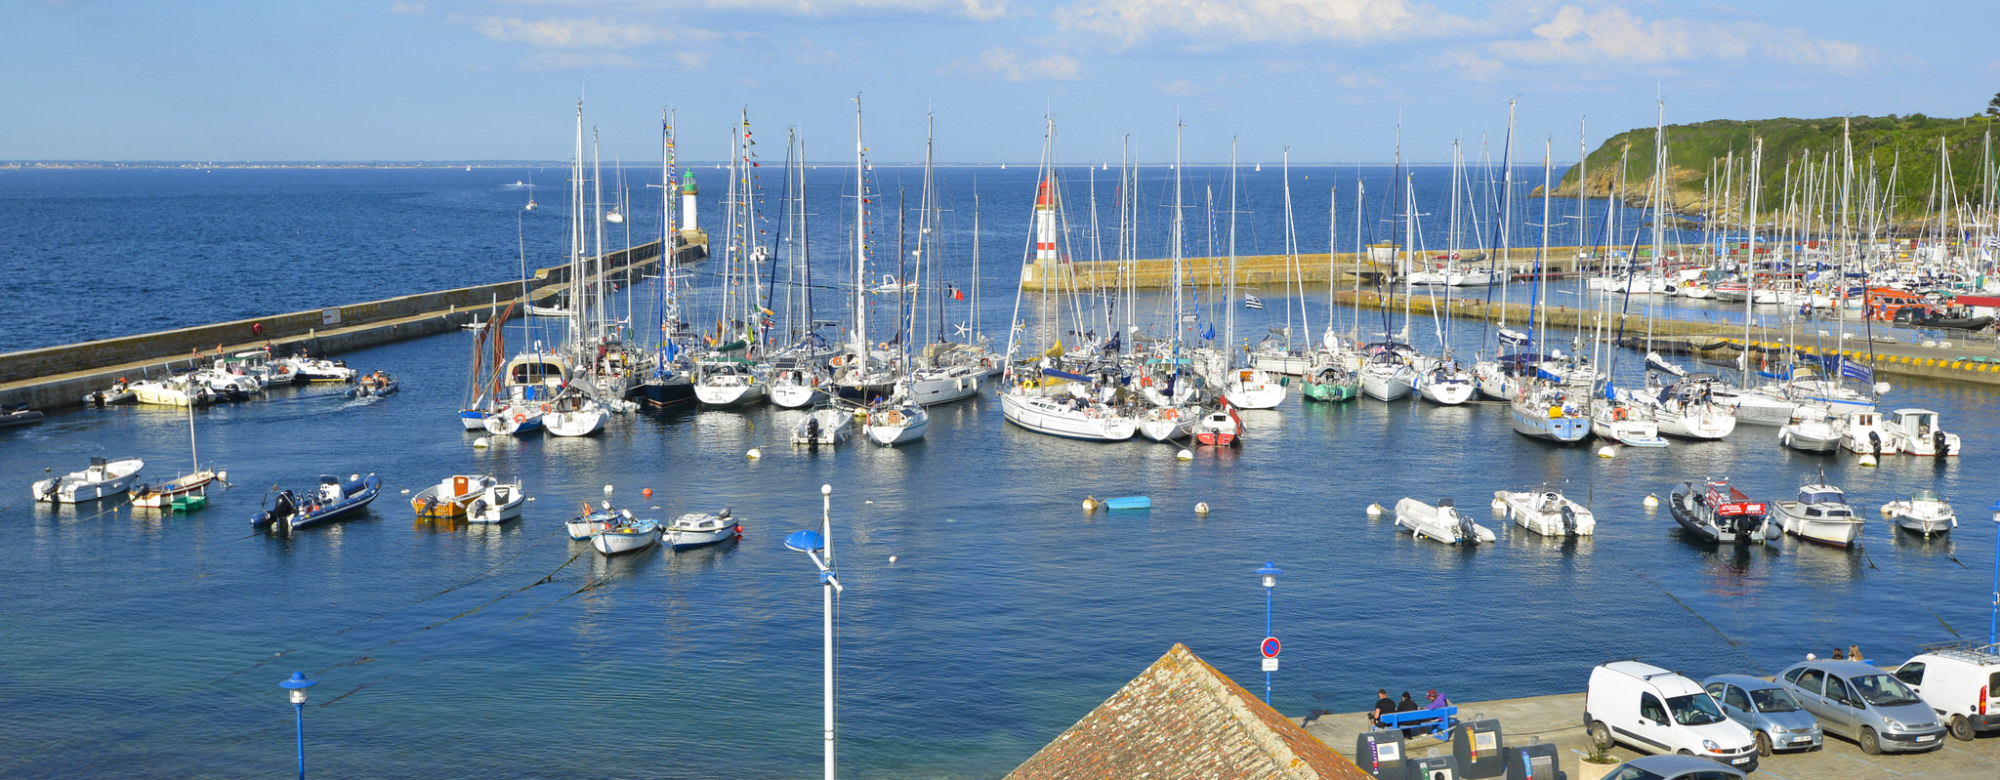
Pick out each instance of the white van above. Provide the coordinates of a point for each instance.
(1657, 711)
(1961, 684)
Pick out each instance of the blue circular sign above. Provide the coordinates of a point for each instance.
(1270, 647)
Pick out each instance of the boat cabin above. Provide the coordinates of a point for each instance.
(535, 374)
(1915, 423)
(1823, 494)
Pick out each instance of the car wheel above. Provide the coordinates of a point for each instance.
(1961, 728)
(1600, 733)
(1870, 744)
(1763, 744)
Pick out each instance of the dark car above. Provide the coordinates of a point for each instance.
(1673, 767)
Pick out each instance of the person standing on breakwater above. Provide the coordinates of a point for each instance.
(257, 329)
(1383, 706)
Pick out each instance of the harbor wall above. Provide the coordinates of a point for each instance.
(51, 377)
(1275, 270)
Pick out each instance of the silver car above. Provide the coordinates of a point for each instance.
(1772, 714)
(1865, 704)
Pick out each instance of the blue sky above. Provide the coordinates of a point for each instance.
(498, 79)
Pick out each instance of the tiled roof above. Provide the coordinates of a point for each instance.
(1182, 718)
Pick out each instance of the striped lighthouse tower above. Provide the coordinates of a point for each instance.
(1045, 225)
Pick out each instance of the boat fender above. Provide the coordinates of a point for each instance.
(1089, 503)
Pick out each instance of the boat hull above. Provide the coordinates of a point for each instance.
(1047, 416)
(626, 539)
(92, 484)
(1839, 531)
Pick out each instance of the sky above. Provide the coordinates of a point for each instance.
(407, 80)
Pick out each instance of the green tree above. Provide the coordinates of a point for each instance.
(1993, 106)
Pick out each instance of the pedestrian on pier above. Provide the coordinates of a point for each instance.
(1383, 706)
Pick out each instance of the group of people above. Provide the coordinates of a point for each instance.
(1385, 705)
(1853, 653)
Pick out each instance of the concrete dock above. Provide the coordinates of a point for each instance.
(53, 377)
(1559, 719)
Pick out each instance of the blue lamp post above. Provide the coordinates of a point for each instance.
(1270, 573)
(818, 545)
(298, 684)
(1993, 621)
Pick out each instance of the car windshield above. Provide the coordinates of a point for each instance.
(1633, 773)
(1694, 709)
(1883, 690)
(1774, 700)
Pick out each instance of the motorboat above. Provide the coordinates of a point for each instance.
(374, 385)
(700, 529)
(626, 534)
(334, 499)
(1441, 523)
(1222, 427)
(1547, 512)
(897, 422)
(119, 392)
(1820, 514)
(1717, 512)
(1812, 431)
(1253, 388)
(593, 519)
(1916, 432)
(18, 414)
(310, 369)
(827, 425)
(179, 390)
(1924, 513)
(499, 502)
(1863, 433)
(451, 496)
(101, 479)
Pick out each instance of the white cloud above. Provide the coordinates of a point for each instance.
(974, 9)
(568, 33)
(1213, 21)
(1182, 87)
(1010, 65)
(408, 9)
(1611, 34)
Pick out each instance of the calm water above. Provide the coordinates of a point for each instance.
(144, 645)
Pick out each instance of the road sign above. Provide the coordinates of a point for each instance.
(1270, 647)
(1270, 664)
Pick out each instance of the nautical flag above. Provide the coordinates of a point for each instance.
(1251, 302)
(1993, 241)
(1208, 333)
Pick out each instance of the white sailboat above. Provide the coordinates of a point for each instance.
(896, 421)
(193, 483)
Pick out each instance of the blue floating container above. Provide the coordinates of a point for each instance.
(1128, 502)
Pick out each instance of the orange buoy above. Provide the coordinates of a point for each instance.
(648, 492)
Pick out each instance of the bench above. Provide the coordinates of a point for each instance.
(1437, 721)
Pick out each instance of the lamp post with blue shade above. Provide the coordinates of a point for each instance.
(297, 684)
(1270, 646)
(818, 545)
(1993, 621)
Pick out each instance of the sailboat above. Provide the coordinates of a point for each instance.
(728, 375)
(532, 205)
(1330, 373)
(1244, 388)
(1167, 413)
(858, 376)
(1442, 380)
(936, 381)
(1546, 407)
(665, 380)
(1045, 394)
(798, 379)
(185, 491)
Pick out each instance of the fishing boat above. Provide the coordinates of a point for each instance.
(1440, 523)
(827, 425)
(1917, 432)
(1221, 428)
(101, 479)
(376, 385)
(334, 499)
(18, 414)
(1717, 512)
(1924, 513)
(1820, 514)
(193, 483)
(700, 529)
(1547, 512)
(499, 502)
(626, 534)
(592, 519)
(451, 496)
(1863, 433)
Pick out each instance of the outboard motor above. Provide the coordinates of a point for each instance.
(477, 508)
(281, 510)
(1875, 442)
(49, 488)
(1939, 444)
(812, 431)
(1569, 520)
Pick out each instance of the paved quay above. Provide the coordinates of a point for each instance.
(1559, 719)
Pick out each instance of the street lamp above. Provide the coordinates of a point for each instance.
(818, 545)
(1993, 621)
(1270, 646)
(298, 684)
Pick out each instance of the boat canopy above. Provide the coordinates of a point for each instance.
(1821, 494)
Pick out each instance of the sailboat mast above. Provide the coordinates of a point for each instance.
(1229, 296)
(860, 243)
(1178, 240)
(597, 219)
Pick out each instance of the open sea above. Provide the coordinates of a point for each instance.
(136, 644)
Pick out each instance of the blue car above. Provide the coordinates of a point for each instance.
(1767, 710)
(1672, 766)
